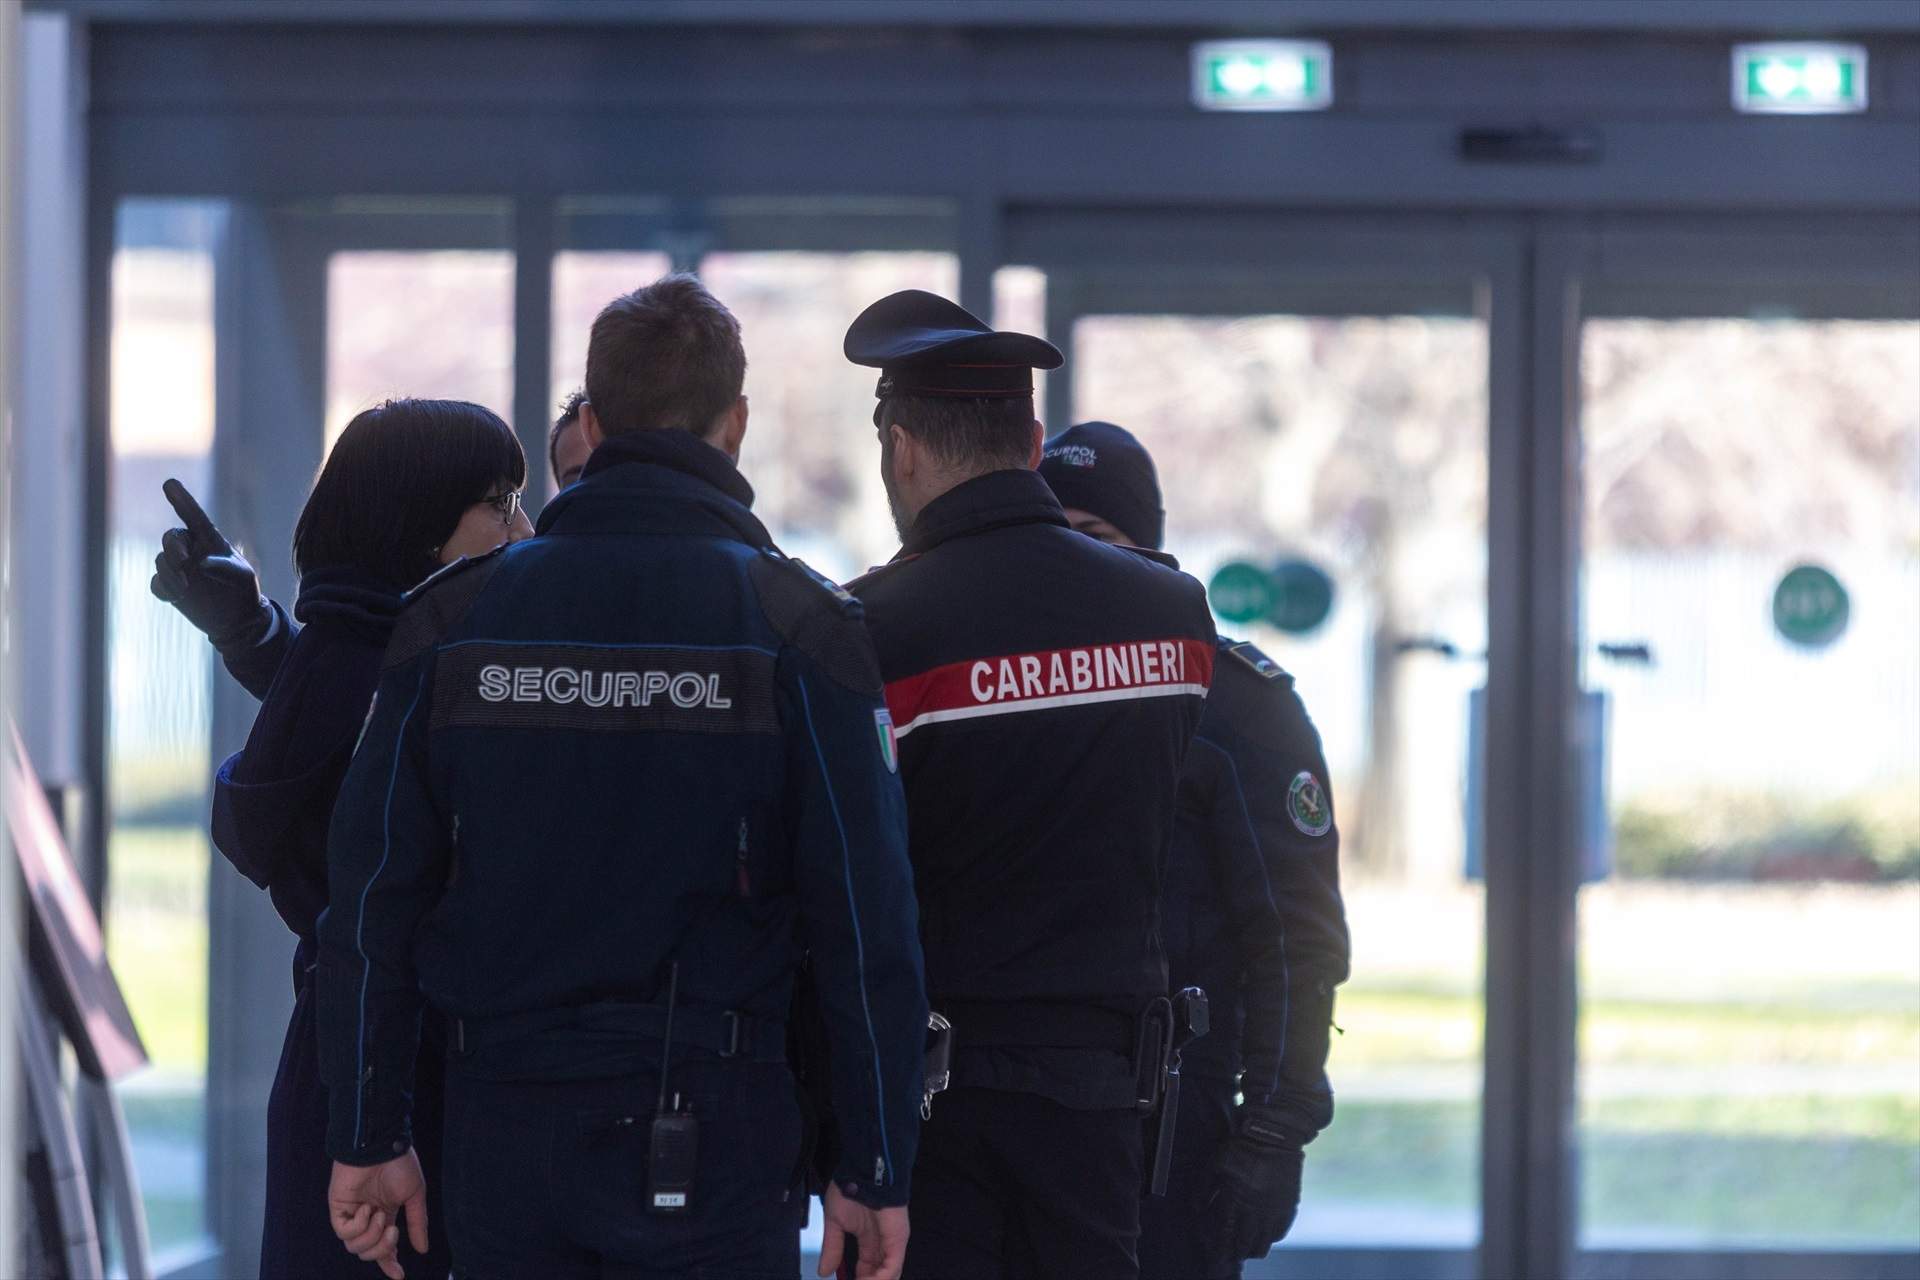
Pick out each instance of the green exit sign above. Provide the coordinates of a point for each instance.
(1799, 79)
(1262, 75)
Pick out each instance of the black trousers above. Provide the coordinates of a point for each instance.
(1172, 1245)
(297, 1240)
(549, 1178)
(1014, 1186)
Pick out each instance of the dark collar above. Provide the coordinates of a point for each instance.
(657, 482)
(985, 502)
(680, 450)
(353, 597)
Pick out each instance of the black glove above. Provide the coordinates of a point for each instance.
(199, 573)
(1256, 1187)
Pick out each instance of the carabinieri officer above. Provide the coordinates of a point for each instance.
(1044, 689)
(1253, 915)
(612, 773)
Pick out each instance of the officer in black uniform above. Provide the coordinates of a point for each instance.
(1044, 689)
(1252, 914)
(611, 774)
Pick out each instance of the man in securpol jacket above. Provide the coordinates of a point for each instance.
(1252, 914)
(1044, 689)
(611, 775)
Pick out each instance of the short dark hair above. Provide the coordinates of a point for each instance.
(397, 482)
(569, 414)
(664, 357)
(987, 434)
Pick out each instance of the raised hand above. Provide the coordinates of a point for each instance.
(199, 573)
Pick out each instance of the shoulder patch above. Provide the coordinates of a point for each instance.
(1253, 697)
(431, 609)
(848, 604)
(817, 616)
(1308, 806)
(1259, 663)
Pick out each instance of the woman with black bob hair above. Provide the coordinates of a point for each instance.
(410, 486)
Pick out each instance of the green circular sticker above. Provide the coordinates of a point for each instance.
(1241, 592)
(1307, 805)
(1810, 607)
(1302, 596)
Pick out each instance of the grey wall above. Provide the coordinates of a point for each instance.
(1828, 17)
(1045, 118)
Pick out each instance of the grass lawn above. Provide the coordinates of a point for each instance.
(1700, 1121)
(1381, 1028)
(1817, 1170)
(157, 939)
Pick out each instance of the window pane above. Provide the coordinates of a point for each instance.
(811, 451)
(435, 325)
(159, 716)
(1020, 305)
(1750, 1027)
(1359, 444)
(582, 284)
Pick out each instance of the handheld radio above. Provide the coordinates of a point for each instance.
(673, 1148)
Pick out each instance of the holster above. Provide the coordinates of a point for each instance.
(1166, 1027)
(937, 1068)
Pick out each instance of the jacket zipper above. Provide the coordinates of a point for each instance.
(742, 878)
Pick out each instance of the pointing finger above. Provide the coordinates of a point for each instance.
(191, 515)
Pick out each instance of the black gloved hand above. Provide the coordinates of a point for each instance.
(1256, 1188)
(199, 573)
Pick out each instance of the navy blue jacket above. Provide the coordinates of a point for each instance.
(254, 666)
(1044, 687)
(272, 800)
(643, 737)
(1253, 906)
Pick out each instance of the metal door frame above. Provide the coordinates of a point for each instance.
(1379, 264)
(1808, 266)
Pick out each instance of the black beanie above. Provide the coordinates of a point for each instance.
(1101, 468)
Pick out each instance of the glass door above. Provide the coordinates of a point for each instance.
(1749, 933)
(1317, 402)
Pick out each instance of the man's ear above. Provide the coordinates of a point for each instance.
(590, 426)
(731, 429)
(1036, 445)
(906, 451)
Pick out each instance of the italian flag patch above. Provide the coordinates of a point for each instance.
(883, 729)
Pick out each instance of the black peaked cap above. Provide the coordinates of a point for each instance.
(925, 345)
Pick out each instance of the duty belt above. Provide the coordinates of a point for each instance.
(727, 1033)
(1039, 1025)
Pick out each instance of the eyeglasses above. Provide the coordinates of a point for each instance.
(507, 504)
